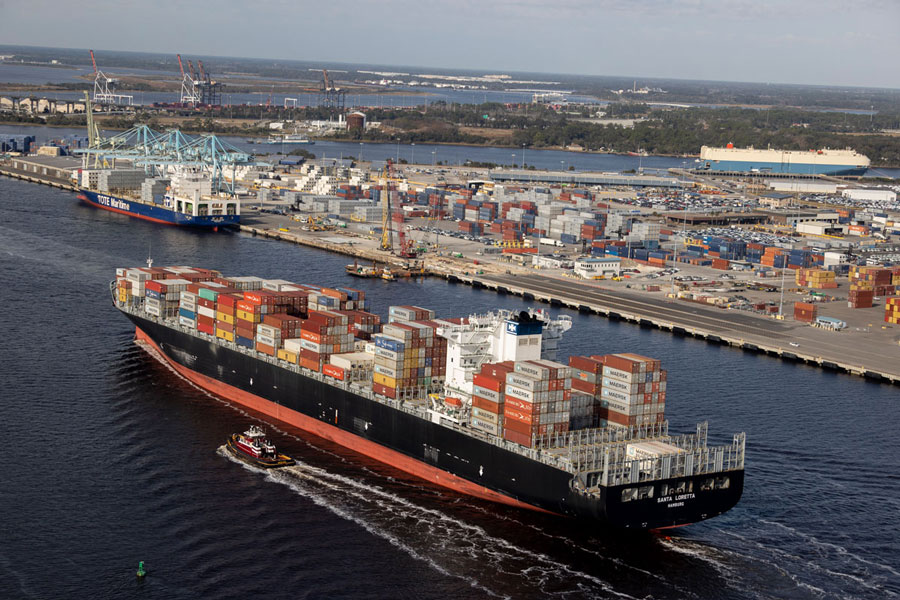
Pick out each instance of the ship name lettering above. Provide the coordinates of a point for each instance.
(113, 202)
(685, 496)
(664, 499)
(675, 504)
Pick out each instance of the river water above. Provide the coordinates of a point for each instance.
(431, 154)
(111, 458)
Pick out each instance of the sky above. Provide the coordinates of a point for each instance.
(818, 42)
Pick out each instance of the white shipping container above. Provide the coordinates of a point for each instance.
(607, 393)
(531, 370)
(524, 382)
(486, 393)
(387, 371)
(184, 321)
(653, 449)
(484, 426)
(206, 311)
(267, 340)
(293, 345)
(485, 415)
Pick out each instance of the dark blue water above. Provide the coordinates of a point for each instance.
(111, 458)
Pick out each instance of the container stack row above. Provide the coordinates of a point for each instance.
(878, 280)
(892, 310)
(805, 312)
(818, 279)
(628, 389)
(322, 334)
(488, 397)
(410, 359)
(535, 402)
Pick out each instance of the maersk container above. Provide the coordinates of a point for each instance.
(187, 314)
(246, 342)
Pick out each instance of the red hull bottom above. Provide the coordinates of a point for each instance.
(338, 436)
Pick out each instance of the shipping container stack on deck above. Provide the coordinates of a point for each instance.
(410, 358)
(587, 377)
(628, 389)
(161, 296)
(892, 310)
(633, 390)
(488, 397)
(535, 401)
(322, 334)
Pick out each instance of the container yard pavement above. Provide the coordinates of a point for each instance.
(857, 349)
(873, 349)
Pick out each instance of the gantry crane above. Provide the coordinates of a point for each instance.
(102, 82)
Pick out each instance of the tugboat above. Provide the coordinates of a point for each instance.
(253, 447)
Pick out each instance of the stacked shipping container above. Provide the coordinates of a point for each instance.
(535, 401)
(488, 397)
(892, 310)
(628, 389)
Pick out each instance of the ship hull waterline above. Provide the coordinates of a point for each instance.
(449, 458)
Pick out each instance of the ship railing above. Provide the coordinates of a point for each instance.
(611, 465)
(571, 440)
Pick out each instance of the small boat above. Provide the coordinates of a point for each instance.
(254, 447)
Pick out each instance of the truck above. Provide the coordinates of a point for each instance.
(552, 242)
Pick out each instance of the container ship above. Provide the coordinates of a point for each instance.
(183, 199)
(476, 404)
(812, 162)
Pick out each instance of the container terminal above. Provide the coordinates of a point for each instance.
(477, 404)
(813, 260)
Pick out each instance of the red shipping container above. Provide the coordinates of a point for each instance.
(314, 365)
(488, 405)
(225, 326)
(333, 371)
(488, 383)
(517, 438)
(383, 390)
(206, 328)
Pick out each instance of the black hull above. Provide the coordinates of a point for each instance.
(508, 473)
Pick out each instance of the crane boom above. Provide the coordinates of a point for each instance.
(387, 241)
(180, 65)
(191, 69)
(325, 80)
(93, 62)
(200, 66)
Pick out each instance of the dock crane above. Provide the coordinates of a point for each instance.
(387, 239)
(102, 92)
(406, 249)
(188, 85)
(332, 96)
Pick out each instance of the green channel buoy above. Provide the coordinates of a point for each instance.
(141, 571)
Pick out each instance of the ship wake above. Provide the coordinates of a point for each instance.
(492, 565)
